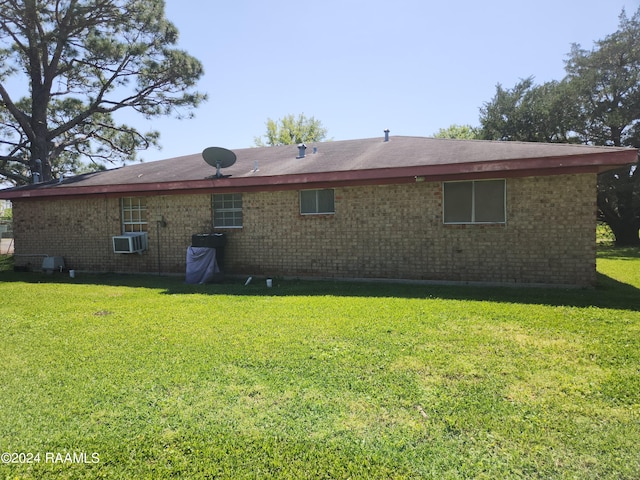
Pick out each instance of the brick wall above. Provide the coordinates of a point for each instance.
(392, 231)
(80, 230)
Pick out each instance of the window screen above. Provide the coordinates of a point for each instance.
(489, 201)
(317, 201)
(478, 201)
(458, 201)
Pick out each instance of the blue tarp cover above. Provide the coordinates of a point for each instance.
(201, 264)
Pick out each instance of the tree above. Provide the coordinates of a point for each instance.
(530, 113)
(291, 130)
(83, 61)
(619, 203)
(597, 103)
(461, 132)
(607, 82)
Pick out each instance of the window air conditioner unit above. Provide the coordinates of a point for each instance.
(135, 242)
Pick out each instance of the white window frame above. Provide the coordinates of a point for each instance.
(317, 202)
(237, 207)
(133, 213)
(473, 203)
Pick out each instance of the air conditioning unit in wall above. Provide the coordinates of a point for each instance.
(135, 242)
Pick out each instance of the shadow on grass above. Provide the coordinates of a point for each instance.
(609, 293)
(611, 252)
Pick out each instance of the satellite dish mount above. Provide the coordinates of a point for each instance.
(220, 158)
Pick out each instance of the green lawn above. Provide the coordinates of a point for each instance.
(319, 379)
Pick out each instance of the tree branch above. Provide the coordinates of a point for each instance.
(22, 118)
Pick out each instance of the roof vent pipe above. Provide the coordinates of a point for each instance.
(386, 135)
(301, 148)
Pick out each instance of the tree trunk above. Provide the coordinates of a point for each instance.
(39, 159)
(626, 234)
(618, 204)
(39, 145)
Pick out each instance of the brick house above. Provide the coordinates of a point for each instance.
(392, 208)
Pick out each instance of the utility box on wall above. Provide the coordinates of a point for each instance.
(49, 264)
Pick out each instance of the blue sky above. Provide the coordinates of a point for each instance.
(362, 66)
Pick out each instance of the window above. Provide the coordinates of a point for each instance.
(134, 214)
(317, 201)
(227, 210)
(478, 201)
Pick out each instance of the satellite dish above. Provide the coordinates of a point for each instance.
(219, 157)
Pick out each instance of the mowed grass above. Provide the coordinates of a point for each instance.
(321, 379)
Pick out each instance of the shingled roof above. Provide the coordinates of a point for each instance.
(349, 162)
